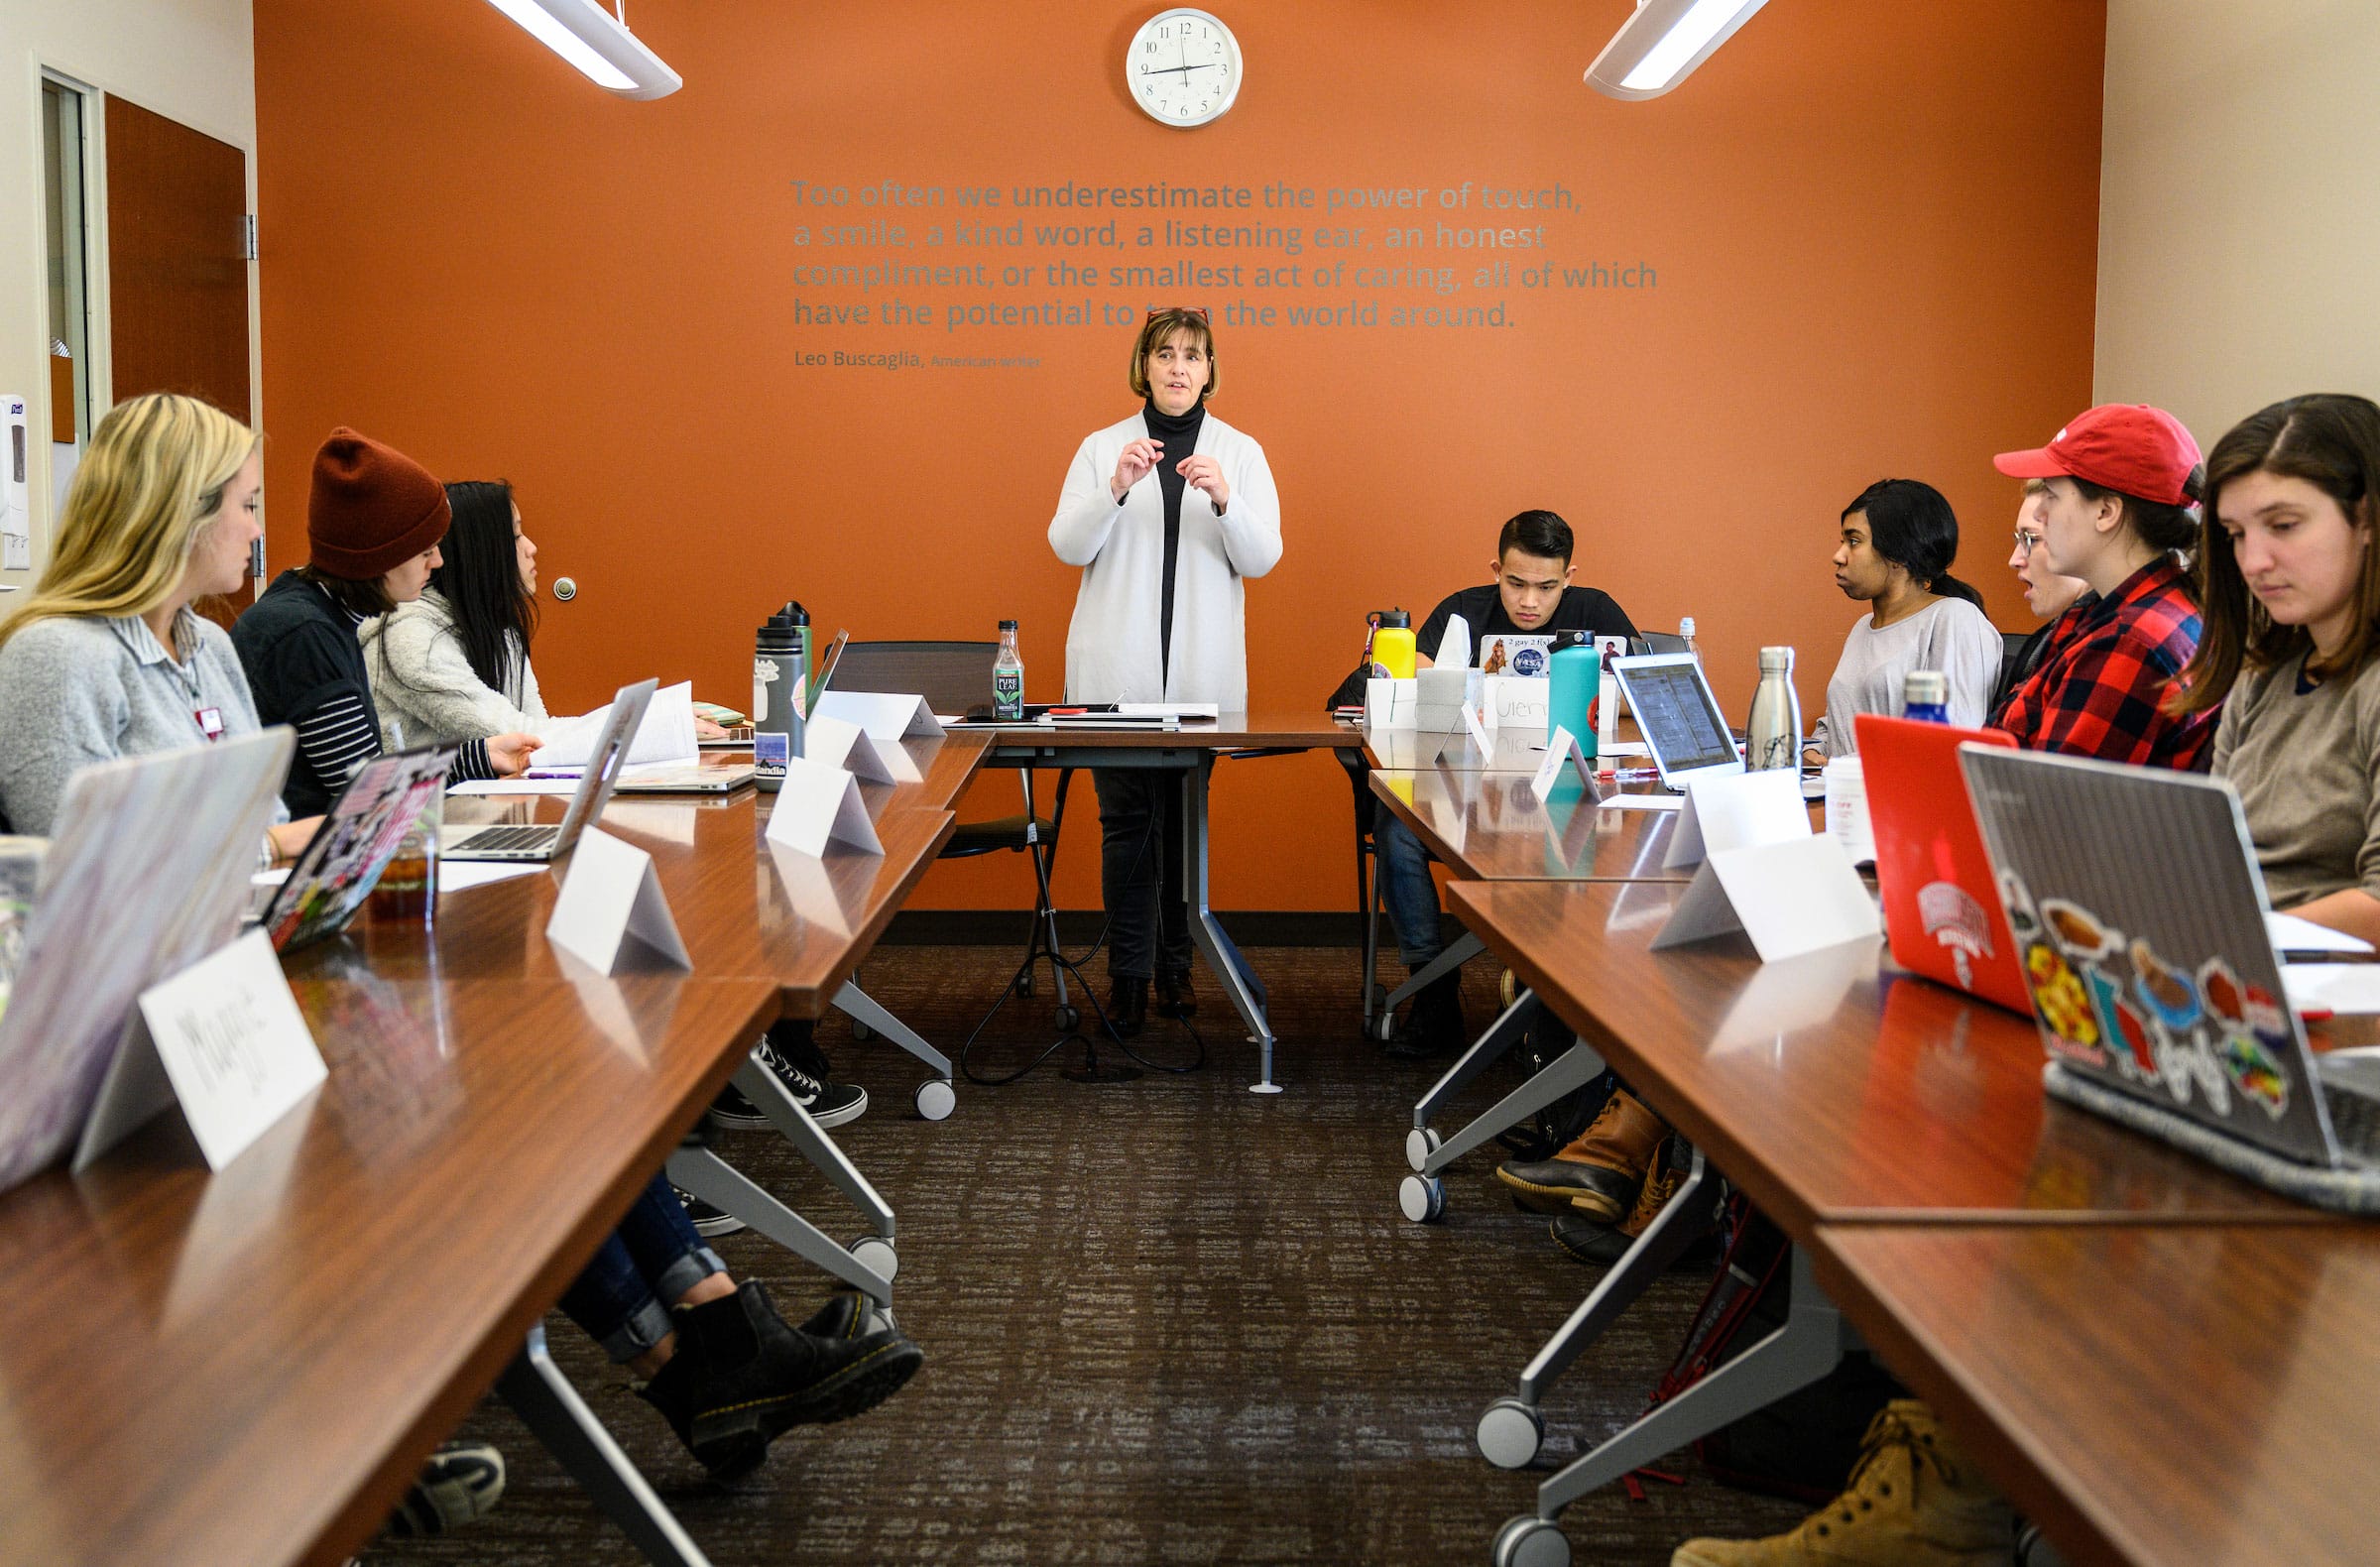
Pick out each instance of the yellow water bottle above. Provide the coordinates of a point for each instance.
(1392, 646)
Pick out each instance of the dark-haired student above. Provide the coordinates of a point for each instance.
(2291, 651)
(1531, 595)
(373, 521)
(453, 664)
(1899, 538)
(2116, 490)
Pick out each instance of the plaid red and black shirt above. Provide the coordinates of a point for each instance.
(2101, 689)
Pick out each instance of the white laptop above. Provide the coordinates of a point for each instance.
(537, 843)
(1679, 717)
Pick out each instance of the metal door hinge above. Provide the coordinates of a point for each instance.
(248, 236)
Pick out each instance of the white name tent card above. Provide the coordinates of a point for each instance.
(817, 805)
(1736, 810)
(224, 1039)
(840, 743)
(884, 715)
(612, 893)
(1764, 871)
(1520, 700)
(1564, 746)
(1478, 732)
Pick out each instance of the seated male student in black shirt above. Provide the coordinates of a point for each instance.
(1531, 595)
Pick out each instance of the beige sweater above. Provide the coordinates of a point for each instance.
(2304, 765)
(425, 689)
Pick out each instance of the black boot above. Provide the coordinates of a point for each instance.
(741, 1377)
(1174, 996)
(1128, 1005)
(1433, 1023)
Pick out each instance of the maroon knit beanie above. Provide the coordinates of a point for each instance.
(373, 508)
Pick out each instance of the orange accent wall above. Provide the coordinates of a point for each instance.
(1873, 230)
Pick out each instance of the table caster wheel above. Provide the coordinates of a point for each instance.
(936, 1100)
(1420, 1144)
(878, 1254)
(1422, 1197)
(1510, 1433)
(1530, 1541)
(880, 1320)
(1023, 983)
(1069, 1019)
(1384, 1024)
(861, 1031)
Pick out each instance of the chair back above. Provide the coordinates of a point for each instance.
(952, 676)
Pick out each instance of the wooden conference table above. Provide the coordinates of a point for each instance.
(248, 1367)
(2051, 1277)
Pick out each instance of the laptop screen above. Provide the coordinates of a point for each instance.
(1675, 711)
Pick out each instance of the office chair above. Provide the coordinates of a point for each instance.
(954, 676)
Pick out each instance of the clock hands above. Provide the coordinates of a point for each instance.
(1174, 70)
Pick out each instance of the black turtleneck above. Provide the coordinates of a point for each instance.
(1178, 434)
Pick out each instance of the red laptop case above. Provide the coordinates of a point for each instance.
(1942, 909)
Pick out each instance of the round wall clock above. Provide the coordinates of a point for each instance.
(1184, 67)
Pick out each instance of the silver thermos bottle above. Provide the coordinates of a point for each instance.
(1772, 735)
(780, 664)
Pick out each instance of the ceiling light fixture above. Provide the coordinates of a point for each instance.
(1661, 44)
(597, 43)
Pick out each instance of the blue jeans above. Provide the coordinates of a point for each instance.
(622, 1297)
(1405, 884)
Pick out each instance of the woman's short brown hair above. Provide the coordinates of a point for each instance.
(2331, 440)
(1157, 330)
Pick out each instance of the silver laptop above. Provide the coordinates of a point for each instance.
(1678, 716)
(2139, 917)
(538, 843)
(712, 774)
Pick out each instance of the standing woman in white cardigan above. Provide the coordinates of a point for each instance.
(1167, 513)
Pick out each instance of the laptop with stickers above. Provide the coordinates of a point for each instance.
(1941, 910)
(2139, 915)
(540, 843)
(341, 863)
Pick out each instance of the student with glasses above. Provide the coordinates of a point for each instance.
(2116, 491)
(1168, 513)
(2048, 594)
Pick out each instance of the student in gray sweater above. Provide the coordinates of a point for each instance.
(108, 660)
(2291, 648)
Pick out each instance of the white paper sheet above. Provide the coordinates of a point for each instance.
(460, 876)
(1643, 803)
(665, 735)
(1169, 709)
(2291, 934)
(2333, 986)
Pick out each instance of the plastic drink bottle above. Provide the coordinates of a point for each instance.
(1772, 735)
(1008, 676)
(1686, 636)
(1925, 697)
(780, 705)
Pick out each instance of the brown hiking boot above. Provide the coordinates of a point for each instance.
(1602, 1244)
(1914, 1502)
(1600, 1172)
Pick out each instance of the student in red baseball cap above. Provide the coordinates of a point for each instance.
(2114, 496)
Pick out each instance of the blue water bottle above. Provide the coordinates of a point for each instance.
(1573, 679)
(1925, 697)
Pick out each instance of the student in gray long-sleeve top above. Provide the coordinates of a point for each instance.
(108, 660)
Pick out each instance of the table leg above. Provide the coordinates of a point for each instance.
(761, 1087)
(554, 1413)
(1239, 983)
(1466, 946)
(1484, 1051)
(703, 1173)
(1568, 1072)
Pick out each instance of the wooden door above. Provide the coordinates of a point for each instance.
(178, 267)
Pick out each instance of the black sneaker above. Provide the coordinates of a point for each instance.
(707, 1219)
(829, 1104)
(742, 1376)
(458, 1485)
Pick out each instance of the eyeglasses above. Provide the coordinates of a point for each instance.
(1198, 311)
(2027, 540)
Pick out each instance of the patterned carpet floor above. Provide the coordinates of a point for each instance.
(1166, 1321)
